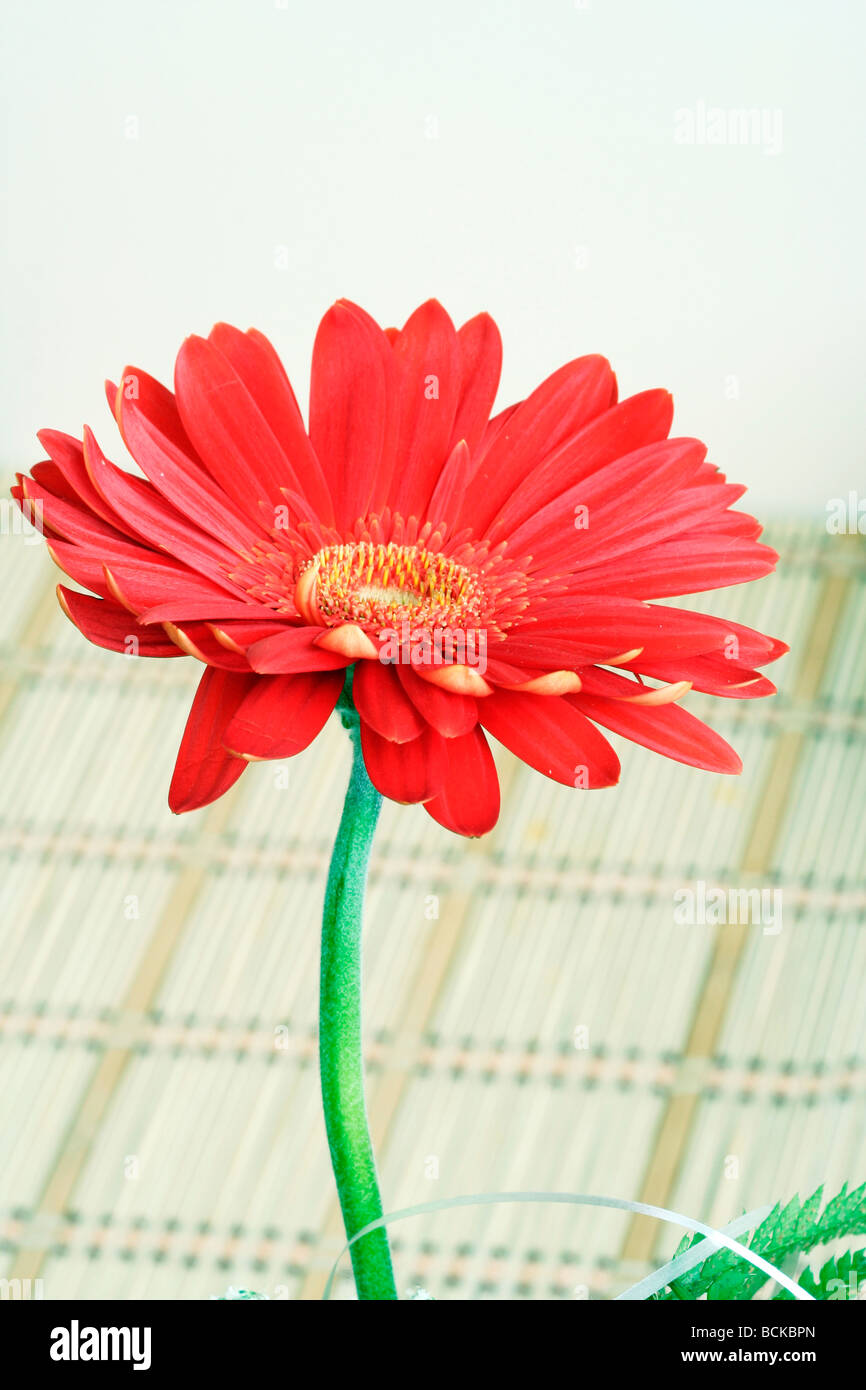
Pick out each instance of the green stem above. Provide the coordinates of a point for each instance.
(340, 1052)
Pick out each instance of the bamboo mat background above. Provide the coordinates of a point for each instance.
(160, 1132)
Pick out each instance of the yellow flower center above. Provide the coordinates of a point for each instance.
(379, 585)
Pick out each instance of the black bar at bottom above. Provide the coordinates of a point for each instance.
(67, 1338)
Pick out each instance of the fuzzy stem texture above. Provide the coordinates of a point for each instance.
(340, 1045)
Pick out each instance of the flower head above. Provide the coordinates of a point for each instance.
(481, 574)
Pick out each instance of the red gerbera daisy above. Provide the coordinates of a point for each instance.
(478, 574)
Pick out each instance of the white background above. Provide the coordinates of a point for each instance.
(177, 162)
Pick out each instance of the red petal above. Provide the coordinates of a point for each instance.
(503, 673)
(48, 476)
(197, 640)
(552, 490)
(145, 584)
(469, 800)
(427, 377)
(259, 367)
(180, 478)
(224, 610)
(687, 511)
(147, 512)
(293, 650)
(283, 714)
(451, 714)
(383, 704)
(451, 484)
(494, 428)
(73, 520)
(583, 630)
(557, 409)
(481, 364)
(682, 566)
(204, 770)
(229, 432)
(81, 565)
(740, 643)
(68, 454)
(666, 729)
(158, 405)
(616, 497)
(350, 398)
(585, 621)
(711, 674)
(106, 624)
(406, 772)
(549, 733)
(238, 634)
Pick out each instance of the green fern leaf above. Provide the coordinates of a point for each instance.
(840, 1278)
(786, 1231)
